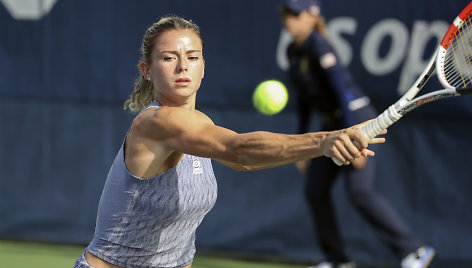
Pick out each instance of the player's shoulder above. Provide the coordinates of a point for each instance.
(168, 115)
(180, 113)
(204, 117)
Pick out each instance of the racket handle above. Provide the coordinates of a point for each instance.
(379, 124)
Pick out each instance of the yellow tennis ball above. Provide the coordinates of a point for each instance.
(270, 97)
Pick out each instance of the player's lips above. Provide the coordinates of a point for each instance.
(183, 82)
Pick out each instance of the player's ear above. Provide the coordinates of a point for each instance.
(203, 71)
(144, 67)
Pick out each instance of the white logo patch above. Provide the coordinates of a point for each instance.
(196, 166)
(328, 60)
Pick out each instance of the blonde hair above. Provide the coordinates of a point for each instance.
(144, 92)
(320, 26)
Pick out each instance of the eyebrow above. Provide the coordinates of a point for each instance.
(177, 52)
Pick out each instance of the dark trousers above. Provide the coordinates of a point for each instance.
(369, 203)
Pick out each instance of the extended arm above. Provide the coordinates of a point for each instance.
(180, 130)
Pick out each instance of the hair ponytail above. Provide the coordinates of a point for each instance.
(320, 26)
(142, 95)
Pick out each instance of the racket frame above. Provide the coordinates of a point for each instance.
(408, 101)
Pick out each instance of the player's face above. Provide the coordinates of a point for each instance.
(177, 66)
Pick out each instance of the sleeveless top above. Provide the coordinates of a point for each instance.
(151, 222)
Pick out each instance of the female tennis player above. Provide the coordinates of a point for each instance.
(161, 183)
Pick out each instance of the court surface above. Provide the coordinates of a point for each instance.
(27, 254)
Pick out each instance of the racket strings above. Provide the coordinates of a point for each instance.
(458, 58)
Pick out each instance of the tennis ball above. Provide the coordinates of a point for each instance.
(270, 97)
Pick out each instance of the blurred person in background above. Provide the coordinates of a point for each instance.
(161, 183)
(324, 86)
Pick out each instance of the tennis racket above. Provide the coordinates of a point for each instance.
(452, 62)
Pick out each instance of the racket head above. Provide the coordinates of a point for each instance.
(454, 58)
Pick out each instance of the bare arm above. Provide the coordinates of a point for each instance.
(177, 129)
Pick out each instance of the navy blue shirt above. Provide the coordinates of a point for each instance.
(323, 84)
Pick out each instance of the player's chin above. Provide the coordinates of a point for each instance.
(185, 91)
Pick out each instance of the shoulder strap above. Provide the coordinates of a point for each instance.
(153, 104)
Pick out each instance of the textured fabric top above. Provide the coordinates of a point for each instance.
(151, 222)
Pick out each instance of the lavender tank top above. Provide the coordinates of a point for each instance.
(151, 222)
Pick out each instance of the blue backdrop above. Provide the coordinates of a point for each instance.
(65, 72)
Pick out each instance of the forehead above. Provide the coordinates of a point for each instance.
(179, 39)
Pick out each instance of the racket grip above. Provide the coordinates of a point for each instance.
(371, 130)
(379, 124)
